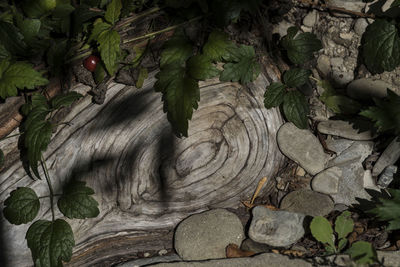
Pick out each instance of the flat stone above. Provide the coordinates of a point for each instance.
(344, 129)
(310, 19)
(351, 183)
(276, 228)
(254, 246)
(366, 88)
(360, 26)
(369, 182)
(262, 260)
(387, 176)
(357, 152)
(324, 65)
(152, 260)
(389, 157)
(302, 147)
(205, 235)
(352, 5)
(307, 202)
(338, 145)
(327, 181)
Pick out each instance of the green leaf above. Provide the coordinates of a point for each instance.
(274, 95)
(225, 12)
(35, 9)
(22, 206)
(245, 69)
(29, 29)
(113, 11)
(344, 224)
(99, 73)
(56, 55)
(18, 75)
(296, 77)
(342, 244)
(51, 243)
(4, 54)
(388, 209)
(381, 46)
(362, 252)
(322, 231)
(300, 47)
(12, 39)
(218, 46)
(176, 51)
(386, 113)
(76, 201)
(296, 109)
(200, 67)
(181, 95)
(143, 74)
(82, 14)
(341, 104)
(98, 28)
(65, 100)
(63, 10)
(328, 90)
(109, 41)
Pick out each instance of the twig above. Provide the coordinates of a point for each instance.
(337, 9)
(46, 174)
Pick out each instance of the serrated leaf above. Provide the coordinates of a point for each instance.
(362, 252)
(18, 75)
(386, 113)
(51, 243)
(200, 67)
(218, 46)
(65, 100)
(274, 95)
(12, 39)
(98, 28)
(99, 73)
(341, 104)
(344, 224)
(245, 70)
(225, 12)
(143, 74)
(82, 14)
(300, 47)
(296, 77)
(37, 138)
(76, 201)
(109, 41)
(322, 231)
(22, 206)
(36, 9)
(181, 95)
(296, 109)
(29, 29)
(176, 51)
(381, 46)
(328, 89)
(388, 209)
(113, 11)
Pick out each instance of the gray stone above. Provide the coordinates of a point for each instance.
(254, 246)
(147, 261)
(344, 129)
(369, 182)
(262, 260)
(337, 62)
(366, 88)
(282, 27)
(276, 228)
(327, 182)
(307, 202)
(205, 235)
(351, 183)
(390, 258)
(338, 145)
(387, 176)
(357, 152)
(389, 157)
(324, 65)
(302, 147)
(341, 78)
(360, 26)
(311, 18)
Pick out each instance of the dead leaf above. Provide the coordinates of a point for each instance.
(233, 251)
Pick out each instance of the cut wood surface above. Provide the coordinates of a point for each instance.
(146, 180)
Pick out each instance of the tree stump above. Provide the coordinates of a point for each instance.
(146, 180)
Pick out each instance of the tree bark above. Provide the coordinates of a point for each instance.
(146, 180)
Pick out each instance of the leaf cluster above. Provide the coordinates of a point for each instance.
(362, 252)
(386, 208)
(182, 69)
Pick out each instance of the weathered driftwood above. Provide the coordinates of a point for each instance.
(147, 180)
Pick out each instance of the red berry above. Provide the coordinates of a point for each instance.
(90, 63)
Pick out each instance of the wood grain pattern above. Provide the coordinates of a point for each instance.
(147, 180)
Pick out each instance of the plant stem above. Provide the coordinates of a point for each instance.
(46, 174)
(152, 34)
(129, 20)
